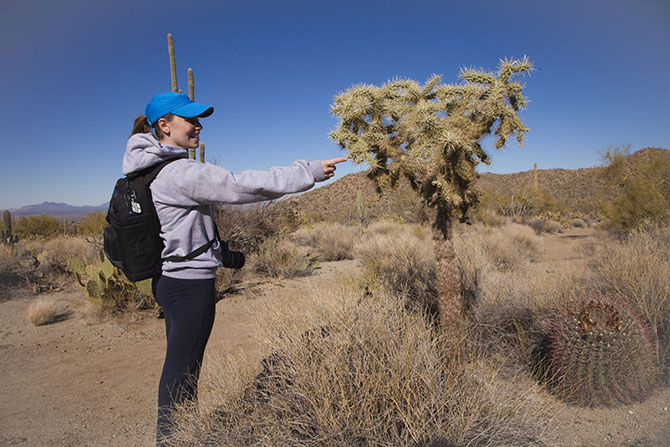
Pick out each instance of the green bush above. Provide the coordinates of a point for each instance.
(31, 227)
(641, 187)
(93, 224)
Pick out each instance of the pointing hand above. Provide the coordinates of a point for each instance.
(329, 166)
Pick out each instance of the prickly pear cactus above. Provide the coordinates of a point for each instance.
(104, 282)
(601, 353)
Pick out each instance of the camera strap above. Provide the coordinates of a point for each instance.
(197, 252)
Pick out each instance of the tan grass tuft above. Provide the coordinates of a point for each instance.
(333, 241)
(280, 258)
(44, 311)
(399, 260)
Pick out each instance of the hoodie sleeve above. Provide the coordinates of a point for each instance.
(189, 183)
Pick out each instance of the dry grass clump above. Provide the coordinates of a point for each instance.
(8, 261)
(365, 372)
(636, 269)
(227, 280)
(508, 298)
(333, 241)
(280, 258)
(388, 227)
(505, 248)
(545, 226)
(44, 311)
(399, 260)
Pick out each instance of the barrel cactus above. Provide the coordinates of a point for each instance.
(601, 353)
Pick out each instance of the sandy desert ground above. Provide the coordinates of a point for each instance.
(82, 381)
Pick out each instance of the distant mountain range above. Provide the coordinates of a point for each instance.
(60, 210)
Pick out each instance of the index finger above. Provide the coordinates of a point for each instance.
(333, 161)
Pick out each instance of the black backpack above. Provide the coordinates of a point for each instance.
(132, 240)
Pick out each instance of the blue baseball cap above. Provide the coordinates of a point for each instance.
(177, 104)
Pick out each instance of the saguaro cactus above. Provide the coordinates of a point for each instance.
(431, 135)
(173, 64)
(191, 91)
(6, 234)
(601, 353)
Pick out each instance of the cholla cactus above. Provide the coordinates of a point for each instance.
(601, 353)
(431, 135)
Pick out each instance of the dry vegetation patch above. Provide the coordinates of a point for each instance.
(280, 258)
(399, 260)
(44, 311)
(346, 370)
(636, 269)
(333, 241)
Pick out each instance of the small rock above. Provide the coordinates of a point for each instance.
(630, 411)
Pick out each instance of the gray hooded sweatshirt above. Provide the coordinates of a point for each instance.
(185, 191)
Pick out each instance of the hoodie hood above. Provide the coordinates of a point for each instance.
(143, 150)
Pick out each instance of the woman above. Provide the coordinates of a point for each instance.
(184, 193)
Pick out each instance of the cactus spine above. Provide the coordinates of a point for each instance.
(601, 353)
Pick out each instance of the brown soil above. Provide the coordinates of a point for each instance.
(82, 381)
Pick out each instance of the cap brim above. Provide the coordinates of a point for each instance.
(193, 109)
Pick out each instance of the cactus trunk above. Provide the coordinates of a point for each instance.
(191, 87)
(173, 65)
(7, 220)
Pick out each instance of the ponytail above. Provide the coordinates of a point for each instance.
(141, 125)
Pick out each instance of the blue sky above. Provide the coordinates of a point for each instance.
(76, 72)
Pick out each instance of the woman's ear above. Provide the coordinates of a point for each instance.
(163, 125)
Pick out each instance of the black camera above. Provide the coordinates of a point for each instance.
(231, 259)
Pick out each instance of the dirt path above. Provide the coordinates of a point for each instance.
(83, 382)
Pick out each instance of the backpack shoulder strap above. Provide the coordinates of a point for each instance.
(150, 173)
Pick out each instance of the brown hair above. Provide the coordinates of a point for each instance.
(141, 125)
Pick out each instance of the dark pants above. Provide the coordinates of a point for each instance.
(188, 306)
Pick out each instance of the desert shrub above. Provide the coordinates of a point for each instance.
(245, 228)
(59, 250)
(32, 227)
(523, 202)
(333, 241)
(93, 224)
(641, 188)
(44, 311)
(578, 223)
(10, 263)
(636, 269)
(399, 260)
(506, 248)
(509, 303)
(280, 258)
(227, 280)
(390, 227)
(541, 226)
(362, 373)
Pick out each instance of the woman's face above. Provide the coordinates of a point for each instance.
(182, 132)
